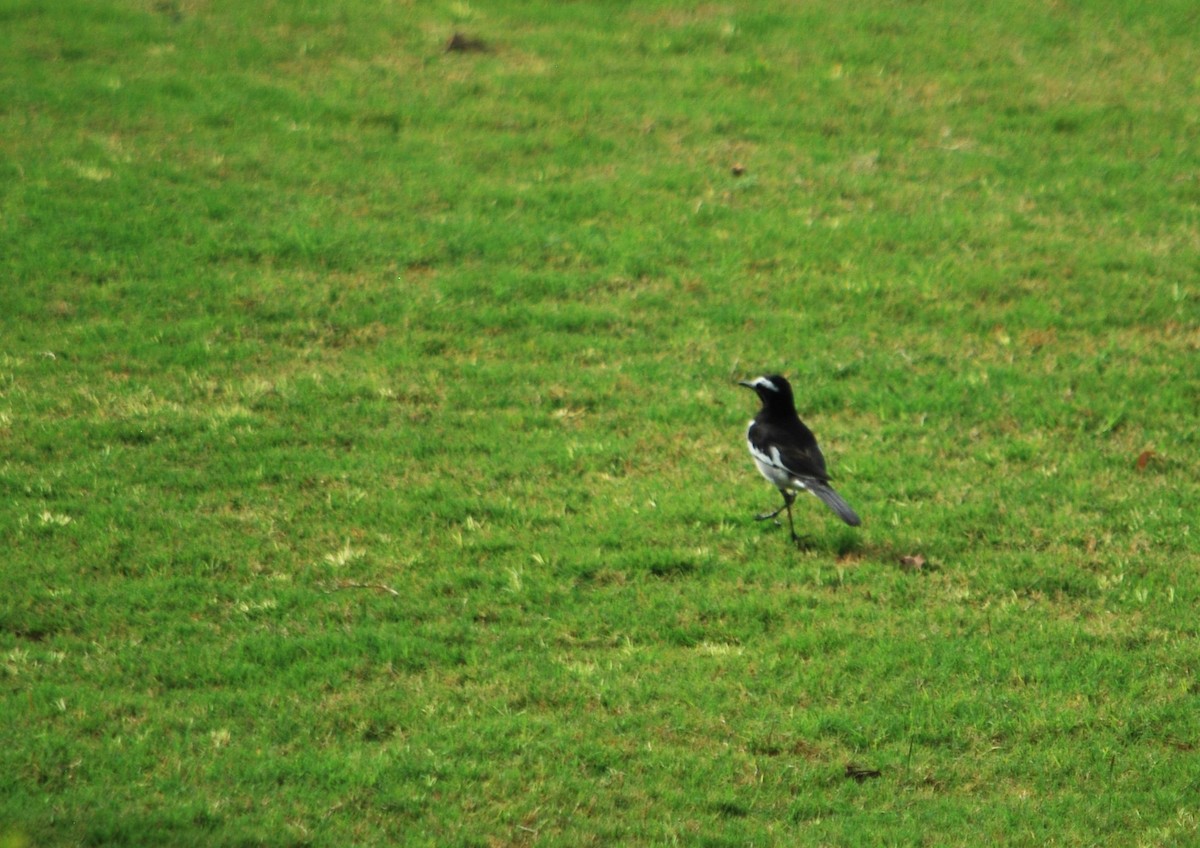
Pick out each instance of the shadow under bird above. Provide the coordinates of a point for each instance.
(786, 451)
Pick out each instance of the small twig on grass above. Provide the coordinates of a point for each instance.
(346, 584)
(861, 773)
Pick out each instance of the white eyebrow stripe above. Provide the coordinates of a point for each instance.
(763, 381)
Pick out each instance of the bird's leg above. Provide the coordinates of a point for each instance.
(796, 540)
(766, 516)
(788, 497)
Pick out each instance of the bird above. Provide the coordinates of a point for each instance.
(786, 452)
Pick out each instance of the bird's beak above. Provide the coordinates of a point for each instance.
(746, 383)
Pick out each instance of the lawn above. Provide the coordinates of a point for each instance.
(371, 453)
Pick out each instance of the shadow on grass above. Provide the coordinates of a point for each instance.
(849, 546)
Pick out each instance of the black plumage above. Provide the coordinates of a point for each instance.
(786, 451)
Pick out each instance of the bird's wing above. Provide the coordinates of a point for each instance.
(804, 462)
(795, 453)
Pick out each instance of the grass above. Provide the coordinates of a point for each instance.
(372, 466)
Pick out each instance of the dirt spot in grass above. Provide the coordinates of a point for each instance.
(731, 810)
(686, 16)
(807, 750)
(34, 634)
(861, 773)
(60, 309)
(460, 42)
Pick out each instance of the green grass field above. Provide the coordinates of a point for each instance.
(371, 457)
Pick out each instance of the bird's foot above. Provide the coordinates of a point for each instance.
(767, 516)
(801, 542)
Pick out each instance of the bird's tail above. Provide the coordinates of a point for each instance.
(834, 501)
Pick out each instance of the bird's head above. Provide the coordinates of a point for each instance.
(774, 391)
